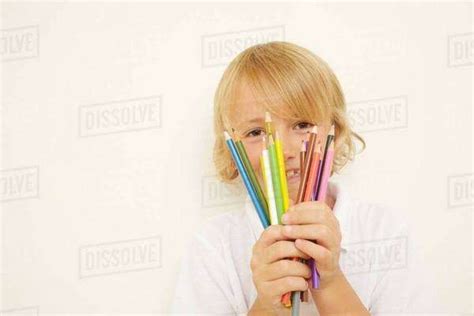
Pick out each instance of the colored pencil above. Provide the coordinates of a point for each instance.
(317, 180)
(307, 162)
(294, 296)
(268, 124)
(269, 185)
(302, 154)
(253, 179)
(262, 168)
(326, 173)
(329, 139)
(313, 173)
(276, 178)
(321, 189)
(281, 168)
(248, 185)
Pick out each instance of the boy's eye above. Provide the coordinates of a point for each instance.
(255, 133)
(304, 125)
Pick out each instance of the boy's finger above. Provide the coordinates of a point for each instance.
(309, 216)
(282, 249)
(270, 235)
(323, 234)
(285, 268)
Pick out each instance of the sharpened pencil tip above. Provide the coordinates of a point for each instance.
(314, 129)
(332, 130)
(268, 117)
(303, 146)
(226, 135)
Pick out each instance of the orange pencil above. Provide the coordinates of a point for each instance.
(313, 172)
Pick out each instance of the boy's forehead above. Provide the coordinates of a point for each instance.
(247, 112)
(248, 108)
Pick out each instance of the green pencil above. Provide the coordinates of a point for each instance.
(276, 178)
(253, 179)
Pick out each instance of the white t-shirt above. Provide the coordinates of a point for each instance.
(215, 276)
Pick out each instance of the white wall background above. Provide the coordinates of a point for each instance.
(73, 192)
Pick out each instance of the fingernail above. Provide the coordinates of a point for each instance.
(284, 218)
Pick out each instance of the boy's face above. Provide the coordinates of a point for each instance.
(248, 120)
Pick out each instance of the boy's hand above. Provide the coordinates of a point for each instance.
(315, 221)
(273, 273)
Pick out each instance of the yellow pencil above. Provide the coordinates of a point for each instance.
(262, 167)
(282, 170)
(272, 208)
(268, 124)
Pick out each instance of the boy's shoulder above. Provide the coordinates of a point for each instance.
(368, 221)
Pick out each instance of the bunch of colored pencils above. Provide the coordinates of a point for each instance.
(271, 208)
(315, 170)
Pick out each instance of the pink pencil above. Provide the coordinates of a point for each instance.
(326, 173)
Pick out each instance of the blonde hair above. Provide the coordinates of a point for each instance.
(290, 75)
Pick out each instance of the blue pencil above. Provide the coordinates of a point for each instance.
(246, 179)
